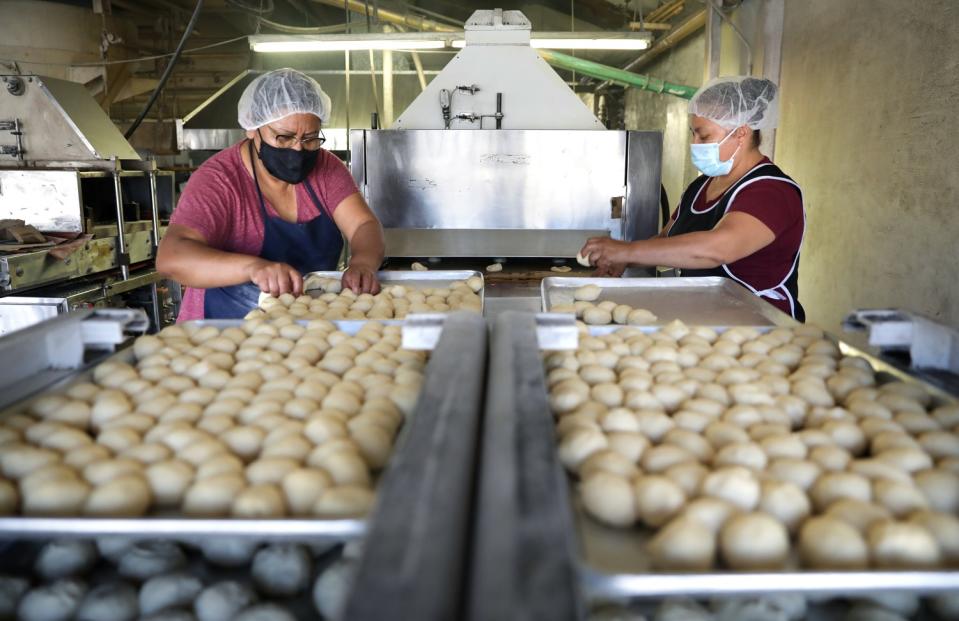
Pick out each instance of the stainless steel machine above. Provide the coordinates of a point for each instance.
(496, 163)
(67, 171)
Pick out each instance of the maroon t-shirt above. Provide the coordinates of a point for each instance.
(221, 203)
(778, 205)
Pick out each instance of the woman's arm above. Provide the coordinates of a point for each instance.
(365, 235)
(184, 256)
(736, 236)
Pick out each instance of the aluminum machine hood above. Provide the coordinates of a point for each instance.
(499, 158)
(497, 68)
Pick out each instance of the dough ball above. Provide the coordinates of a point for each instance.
(64, 558)
(684, 544)
(223, 601)
(688, 476)
(876, 470)
(833, 486)
(55, 497)
(900, 499)
(944, 528)
(786, 502)
(113, 601)
(902, 545)
(344, 501)
(830, 543)
(212, 496)
(333, 586)
(608, 460)
(659, 458)
(658, 499)
(9, 498)
(578, 445)
(57, 601)
(609, 498)
(302, 487)
(754, 541)
(265, 612)
(169, 591)
(867, 611)
(12, 589)
(746, 454)
(941, 489)
(127, 495)
(681, 609)
(281, 570)
(694, 443)
(830, 457)
(587, 293)
(858, 514)
(597, 316)
(262, 501)
(734, 484)
(710, 512)
(375, 443)
(783, 445)
(229, 551)
(146, 559)
(630, 445)
(17, 461)
(908, 459)
(641, 317)
(940, 444)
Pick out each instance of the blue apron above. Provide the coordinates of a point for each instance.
(309, 247)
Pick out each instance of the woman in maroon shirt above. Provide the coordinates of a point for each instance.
(743, 218)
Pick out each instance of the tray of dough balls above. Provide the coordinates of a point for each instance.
(279, 426)
(113, 578)
(704, 301)
(696, 454)
(402, 293)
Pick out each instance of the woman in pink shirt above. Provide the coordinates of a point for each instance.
(260, 214)
(743, 219)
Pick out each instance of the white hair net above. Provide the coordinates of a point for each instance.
(732, 102)
(278, 94)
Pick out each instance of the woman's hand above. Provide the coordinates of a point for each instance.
(275, 278)
(361, 280)
(609, 256)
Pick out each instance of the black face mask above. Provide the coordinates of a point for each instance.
(287, 165)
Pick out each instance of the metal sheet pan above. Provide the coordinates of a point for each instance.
(706, 301)
(420, 280)
(170, 525)
(612, 562)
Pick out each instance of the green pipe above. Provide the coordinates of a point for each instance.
(618, 76)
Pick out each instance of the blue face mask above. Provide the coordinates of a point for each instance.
(705, 158)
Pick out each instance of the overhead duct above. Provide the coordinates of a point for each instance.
(618, 76)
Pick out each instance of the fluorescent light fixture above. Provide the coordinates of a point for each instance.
(342, 43)
(440, 40)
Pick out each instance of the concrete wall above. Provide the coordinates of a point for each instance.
(868, 129)
(644, 110)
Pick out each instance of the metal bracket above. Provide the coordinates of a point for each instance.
(107, 328)
(931, 345)
(14, 128)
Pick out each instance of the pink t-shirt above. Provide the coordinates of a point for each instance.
(220, 202)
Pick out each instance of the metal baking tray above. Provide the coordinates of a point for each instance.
(612, 561)
(172, 525)
(419, 280)
(703, 301)
(520, 462)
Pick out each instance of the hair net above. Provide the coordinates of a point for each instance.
(732, 102)
(280, 93)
